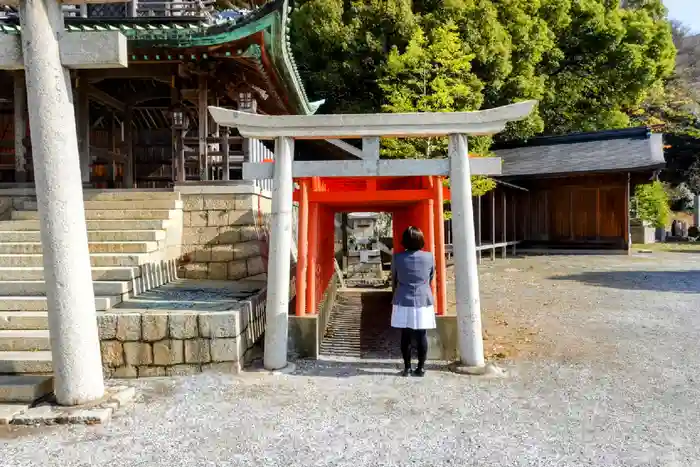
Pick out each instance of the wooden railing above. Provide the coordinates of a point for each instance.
(132, 9)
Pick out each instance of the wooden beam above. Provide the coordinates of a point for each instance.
(378, 168)
(203, 117)
(103, 98)
(162, 72)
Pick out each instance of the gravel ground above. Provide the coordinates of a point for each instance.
(610, 381)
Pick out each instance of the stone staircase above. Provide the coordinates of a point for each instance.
(359, 326)
(134, 240)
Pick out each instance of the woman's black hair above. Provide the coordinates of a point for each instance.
(412, 239)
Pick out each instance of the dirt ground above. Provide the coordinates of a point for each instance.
(524, 300)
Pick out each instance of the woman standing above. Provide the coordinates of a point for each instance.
(413, 308)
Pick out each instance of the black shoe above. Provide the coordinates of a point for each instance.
(406, 372)
(420, 372)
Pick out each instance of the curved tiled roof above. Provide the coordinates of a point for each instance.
(220, 28)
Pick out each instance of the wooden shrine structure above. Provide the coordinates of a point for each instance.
(147, 125)
(412, 200)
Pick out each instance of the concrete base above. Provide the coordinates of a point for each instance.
(287, 370)
(98, 412)
(442, 341)
(489, 370)
(304, 336)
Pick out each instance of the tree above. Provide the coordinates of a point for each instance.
(340, 47)
(587, 61)
(433, 74)
(651, 203)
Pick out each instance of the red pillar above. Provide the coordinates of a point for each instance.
(429, 223)
(302, 246)
(313, 258)
(440, 267)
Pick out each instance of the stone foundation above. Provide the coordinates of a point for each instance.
(177, 342)
(224, 231)
(306, 332)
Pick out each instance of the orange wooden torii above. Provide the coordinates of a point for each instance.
(412, 200)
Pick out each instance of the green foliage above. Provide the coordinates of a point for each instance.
(651, 203)
(592, 64)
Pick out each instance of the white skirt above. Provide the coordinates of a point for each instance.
(413, 317)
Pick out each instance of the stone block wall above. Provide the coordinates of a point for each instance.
(175, 343)
(224, 231)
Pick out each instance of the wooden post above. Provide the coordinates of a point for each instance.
(504, 233)
(302, 247)
(226, 159)
(111, 147)
(493, 225)
(597, 213)
(203, 118)
(440, 268)
(478, 228)
(344, 235)
(129, 149)
(313, 235)
(134, 8)
(429, 220)
(515, 226)
(628, 238)
(83, 122)
(20, 115)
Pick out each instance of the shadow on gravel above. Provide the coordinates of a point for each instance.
(332, 369)
(660, 281)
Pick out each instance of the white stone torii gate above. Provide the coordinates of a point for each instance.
(285, 129)
(47, 52)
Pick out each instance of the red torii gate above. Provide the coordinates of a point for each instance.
(412, 200)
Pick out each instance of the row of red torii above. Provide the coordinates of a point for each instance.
(458, 166)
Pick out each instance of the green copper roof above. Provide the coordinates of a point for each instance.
(272, 19)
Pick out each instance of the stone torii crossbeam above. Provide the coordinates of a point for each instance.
(46, 52)
(285, 129)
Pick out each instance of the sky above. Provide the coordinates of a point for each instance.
(686, 11)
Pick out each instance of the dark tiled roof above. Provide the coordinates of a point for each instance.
(620, 150)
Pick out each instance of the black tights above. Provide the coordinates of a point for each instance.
(421, 336)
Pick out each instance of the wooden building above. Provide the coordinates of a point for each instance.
(573, 191)
(147, 126)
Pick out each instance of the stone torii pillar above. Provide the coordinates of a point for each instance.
(284, 129)
(47, 52)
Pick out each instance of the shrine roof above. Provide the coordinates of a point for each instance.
(626, 150)
(182, 35)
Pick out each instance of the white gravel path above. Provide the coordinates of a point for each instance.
(631, 398)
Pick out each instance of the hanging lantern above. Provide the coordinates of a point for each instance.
(178, 118)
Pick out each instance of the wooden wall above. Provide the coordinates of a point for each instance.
(589, 210)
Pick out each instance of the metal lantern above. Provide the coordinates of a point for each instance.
(178, 117)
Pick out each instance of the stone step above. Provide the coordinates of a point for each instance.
(38, 288)
(20, 236)
(101, 260)
(129, 195)
(26, 362)
(27, 248)
(24, 388)
(24, 340)
(92, 225)
(27, 304)
(98, 274)
(119, 205)
(16, 320)
(99, 214)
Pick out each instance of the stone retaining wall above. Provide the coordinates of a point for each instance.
(170, 343)
(224, 231)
